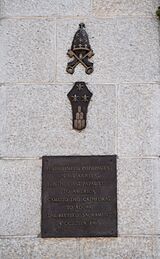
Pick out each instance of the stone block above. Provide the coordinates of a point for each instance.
(124, 7)
(38, 121)
(27, 50)
(65, 248)
(138, 120)
(2, 114)
(16, 248)
(124, 247)
(20, 197)
(123, 50)
(117, 248)
(45, 8)
(157, 248)
(135, 196)
(33, 248)
(156, 185)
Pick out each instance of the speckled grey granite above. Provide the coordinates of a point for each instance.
(61, 248)
(33, 248)
(85, 248)
(117, 248)
(135, 196)
(124, 7)
(27, 50)
(20, 197)
(139, 120)
(38, 121)
(157, 247)
(2, 114)
(156, 182)
(45, 8)
(16, 248)
(126, 50)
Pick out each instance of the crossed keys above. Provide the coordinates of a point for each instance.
(80, 95)
(80, 58)
(80, 52)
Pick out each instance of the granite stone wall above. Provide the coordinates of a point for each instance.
(36, 120)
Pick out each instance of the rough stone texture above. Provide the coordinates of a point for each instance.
(45, 8)
(124, 7)
(2, 113)
(135, 196)
(39, 122)
(27, 50)
(56, 249)
(36, 119)
(156, 182)
(20, 197)
(126, 50)
(17, 248)
(117, 248)
(138, 120)
(157, 248)
(39, 249)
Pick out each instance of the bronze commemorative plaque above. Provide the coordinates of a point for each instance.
(79, 196)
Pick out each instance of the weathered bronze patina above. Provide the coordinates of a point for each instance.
(79, 196)
(80, 51)
(79, 97)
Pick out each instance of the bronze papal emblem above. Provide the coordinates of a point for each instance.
(80, 51)
(79, 97)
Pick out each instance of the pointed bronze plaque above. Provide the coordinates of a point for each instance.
(79, 196)
(80, 51)
(79, 97)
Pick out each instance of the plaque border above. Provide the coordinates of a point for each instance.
(44, 235)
